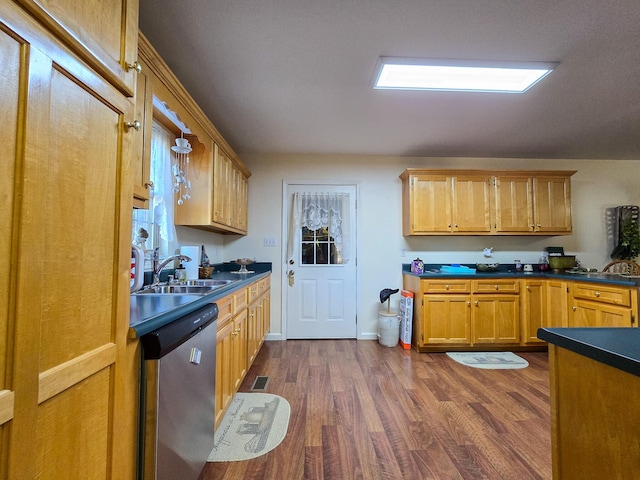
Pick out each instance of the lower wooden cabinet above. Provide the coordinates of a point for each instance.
(449, 319)
(506, 313)
(533, 314)
(594, 425)
(242, 328)
(224, 380)
(496, 319)
(557, 307)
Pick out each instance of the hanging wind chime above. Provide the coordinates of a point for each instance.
(182, 185)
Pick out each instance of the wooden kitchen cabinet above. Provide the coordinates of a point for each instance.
(243, 322)
(103, 34)
(141, 139)
(447, 319)
(239, 361)
(258, 320)
(597, 305)
(557, 308)
(463, 314)
(442, 312)
(224, 369)
(486, 202)
(68, 372)
(230, 193)
(533, 303)
(495, 317)
(594, 422)
(513, 200)
(426, 203)
(441, 203)
(471, 204)
(231, 349)
(552, 204)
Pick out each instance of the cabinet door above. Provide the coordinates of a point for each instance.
(105, 34)
(141, 140)
(534, 300)
(593, 314)
(471, 204)
(266, 314)
(447, 319)
(225, 380)
(254, 327)
(240, 348)
(429, 204)
(513, 211)
(557, 304)
(242, 200)
(63, 344)
(221, 180)
(552, 204)
(496, 319)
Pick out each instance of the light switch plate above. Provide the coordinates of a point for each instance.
(269, 241)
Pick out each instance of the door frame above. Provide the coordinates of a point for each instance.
(284, 280)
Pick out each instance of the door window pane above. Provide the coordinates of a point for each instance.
(318, 248)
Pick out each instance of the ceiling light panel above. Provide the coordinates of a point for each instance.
(454, 75)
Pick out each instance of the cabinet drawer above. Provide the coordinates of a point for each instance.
(496, 286)
(445, 286)
(225, 310)
(603, 294)
(258, 288)
(239, 300)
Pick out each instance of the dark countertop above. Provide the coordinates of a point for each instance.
(508, 271)
(616, 347)
(149, 311)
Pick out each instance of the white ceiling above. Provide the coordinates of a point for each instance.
(293, 76)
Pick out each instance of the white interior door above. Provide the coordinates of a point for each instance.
(320, 285)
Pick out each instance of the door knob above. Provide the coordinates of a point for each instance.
(290, 274)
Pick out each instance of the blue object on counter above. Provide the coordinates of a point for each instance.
(457, 269)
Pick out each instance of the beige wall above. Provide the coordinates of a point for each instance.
(382, 249)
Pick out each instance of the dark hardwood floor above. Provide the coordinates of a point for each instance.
(363, 411)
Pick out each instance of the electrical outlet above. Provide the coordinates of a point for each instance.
(269, 241)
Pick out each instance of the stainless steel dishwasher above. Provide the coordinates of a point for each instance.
(179, 396)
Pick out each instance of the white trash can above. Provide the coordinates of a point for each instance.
(388, 328)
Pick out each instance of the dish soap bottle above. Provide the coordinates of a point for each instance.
(181, 273)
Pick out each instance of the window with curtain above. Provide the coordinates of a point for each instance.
(157, 221)
(319, 228)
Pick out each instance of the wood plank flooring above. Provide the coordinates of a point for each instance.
(363, 411)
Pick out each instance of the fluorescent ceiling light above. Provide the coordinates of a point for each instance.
(456, 75)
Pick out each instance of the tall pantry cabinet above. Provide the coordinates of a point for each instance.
(66, 207)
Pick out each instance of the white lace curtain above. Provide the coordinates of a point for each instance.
(318, 210)
(162, 202)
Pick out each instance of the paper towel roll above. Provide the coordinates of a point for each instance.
(191, 267)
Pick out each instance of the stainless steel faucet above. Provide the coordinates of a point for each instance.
(158, 266)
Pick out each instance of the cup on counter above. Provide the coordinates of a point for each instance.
(528, 268)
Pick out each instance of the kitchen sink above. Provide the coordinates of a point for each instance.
(179, 289)
(209, 282)
(192, 287)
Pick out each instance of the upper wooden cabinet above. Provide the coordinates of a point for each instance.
(477, 202)
(230, 193)
(443, 203)
(533, 202)
(103, 34)
(141, 139)
(552, 203)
